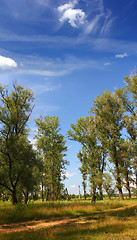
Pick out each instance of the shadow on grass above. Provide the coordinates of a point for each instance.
(118, 213)
(87, 230)
(127, 212)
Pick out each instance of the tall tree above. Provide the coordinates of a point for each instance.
(52, 150)
(109, 120)
(126, 157)
(128, 97)
(84, 131)
(15, 110)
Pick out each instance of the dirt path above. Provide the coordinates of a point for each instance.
(18, 227)
(24, 226)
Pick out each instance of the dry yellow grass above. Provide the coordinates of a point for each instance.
(105, 220)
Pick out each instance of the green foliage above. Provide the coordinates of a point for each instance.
(16, 154)
(92, 154)
(52, 150)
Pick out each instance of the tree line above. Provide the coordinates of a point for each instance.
(108, 136)
(108, 145)
(26, 170)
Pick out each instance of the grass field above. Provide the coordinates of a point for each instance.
(104, 220)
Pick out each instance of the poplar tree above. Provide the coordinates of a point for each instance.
(84, 131)
(52, 150)
(109, 121)
(128, 97)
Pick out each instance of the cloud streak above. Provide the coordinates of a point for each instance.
(107, 64)
(43, 88)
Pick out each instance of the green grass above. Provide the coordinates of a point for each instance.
(104, 220)
(50, 210)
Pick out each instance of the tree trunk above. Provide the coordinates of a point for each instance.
(128, 185)
(109, 197)
(84, 188)
(26, 196)
(42, 192)
(136, 178)
(119, 185)
(14, 197)
(93, 197)
(100, 192)
(94, 194)
(52, 183)
(129, 193)
(47, 195)
(121, 197)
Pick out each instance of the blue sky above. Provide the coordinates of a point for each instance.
(67, 52)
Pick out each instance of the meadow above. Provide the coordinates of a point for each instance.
(75, 219)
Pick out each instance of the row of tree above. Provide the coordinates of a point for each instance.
(25, 170)
(108, 136)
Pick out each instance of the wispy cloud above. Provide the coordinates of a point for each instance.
(121, 55)
(62, 42)
(92, 25)
(32, 9)
(45, 109)
(107, 64)
(53, 67)
(108, 20)
(99, 20)
(41, 72)
(43, 88)
(7, 63)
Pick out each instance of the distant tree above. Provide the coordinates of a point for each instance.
(16, 154)
(108, 184)
(52, 150)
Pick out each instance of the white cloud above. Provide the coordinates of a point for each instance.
(7, 63)
(121, 55)
(68, 175)
(73, 186)
(75, 17)
(66, 6)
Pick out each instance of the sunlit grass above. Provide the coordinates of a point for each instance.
(99, 226)
(104, 220)
(50, 210)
